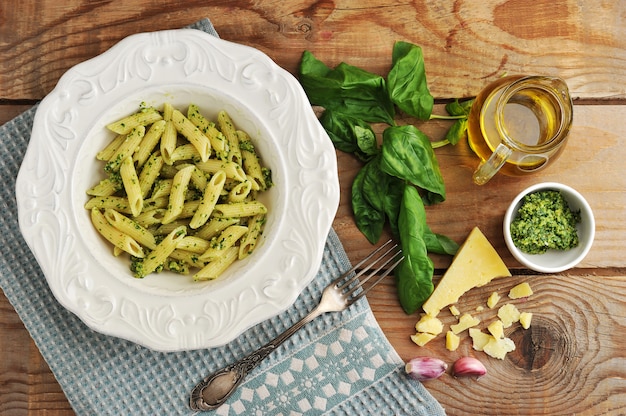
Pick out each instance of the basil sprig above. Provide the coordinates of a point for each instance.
(400, 176)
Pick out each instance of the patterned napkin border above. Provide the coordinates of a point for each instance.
(339, 364)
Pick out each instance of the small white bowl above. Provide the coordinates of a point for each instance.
(553, 261)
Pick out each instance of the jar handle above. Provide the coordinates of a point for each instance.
(491, 166)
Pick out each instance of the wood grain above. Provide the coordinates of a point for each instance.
(571, 361)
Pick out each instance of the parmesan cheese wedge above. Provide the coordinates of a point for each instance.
(475, 264)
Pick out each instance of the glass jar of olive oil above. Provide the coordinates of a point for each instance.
(518, 125)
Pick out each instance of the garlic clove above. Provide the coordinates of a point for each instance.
(425, 368)
(468, 367)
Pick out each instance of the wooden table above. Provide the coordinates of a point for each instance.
(572, 360)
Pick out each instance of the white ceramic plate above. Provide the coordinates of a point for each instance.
(168, 312)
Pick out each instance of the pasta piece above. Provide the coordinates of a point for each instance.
(164, 229)
(145, 116)
(168, 142)
(219, 144)
(215, 268)
(240, 209)
(228, 129)
(161, 252)
(215, 226)
(110, 149)
(150, 171)
(177, 196)
(114, 236)
(130, 228)
(224, 241)
(193, 134)
(250, 162)
(212, 193)
(125, 149)
(184, 152)
(149, 142)
(192, 259)
(106, 187)
(131, 185)
(117, 203)
(232, 170)
(193, 244)
(240, 192)
(189, 208)
(162, 187)
(250, 239)
(151, 217)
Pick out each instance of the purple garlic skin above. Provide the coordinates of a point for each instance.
(468, 367)
(425, 368)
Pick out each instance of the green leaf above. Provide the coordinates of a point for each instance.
(369, 220)
(350, 134)
(457, 131)
(414, 275)
(457, 108)
(346, 89)
(408, 88)
(408, 155)
(439, 244)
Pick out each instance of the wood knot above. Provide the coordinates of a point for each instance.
(543, 345)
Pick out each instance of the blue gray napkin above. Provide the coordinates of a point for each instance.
(339, 364)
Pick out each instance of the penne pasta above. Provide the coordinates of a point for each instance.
(250, 239)
(149, 142)
(131, 228)
(131, 185)
(212, 193)
(219, 144)
(160, 253)
(231, 169)
(250, 161)
(125, 149)
(114, 236)
(240, 209)
(228, 130)
(180, 193)
(224, 241)
(193, 134)
(145, 116)
(177, 196)
(149, 173)
(215, 226)
(215, 268)
(168, 141)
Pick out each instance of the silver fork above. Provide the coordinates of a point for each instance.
(340, 294)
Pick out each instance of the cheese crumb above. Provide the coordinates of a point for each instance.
(525, 318)
(454, 311)
(429, 324)
(523, 290)
(465, 321)
(479, 338)
(422, 338)
(493, 300)
(508, 314)
(452, 341)
(496, 328)
(499, 347)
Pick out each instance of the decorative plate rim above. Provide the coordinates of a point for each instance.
(51, 183)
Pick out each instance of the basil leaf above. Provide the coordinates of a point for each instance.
(457, 131)
(347, 89)
(458, 108)
(369, 220)
(392, 201)
(439, 244)
(414, 274)
(350, 134)
(407, 84)
(408, 154)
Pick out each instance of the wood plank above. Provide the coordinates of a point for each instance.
(466, 44)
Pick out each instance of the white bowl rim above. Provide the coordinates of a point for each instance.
(530, 260)
(197, 60)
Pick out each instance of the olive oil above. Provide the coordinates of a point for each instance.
(532, 120)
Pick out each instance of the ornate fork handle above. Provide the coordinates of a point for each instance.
(215, 389)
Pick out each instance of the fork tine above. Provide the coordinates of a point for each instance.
(377, 281)
(370, 266)
(359, 264)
